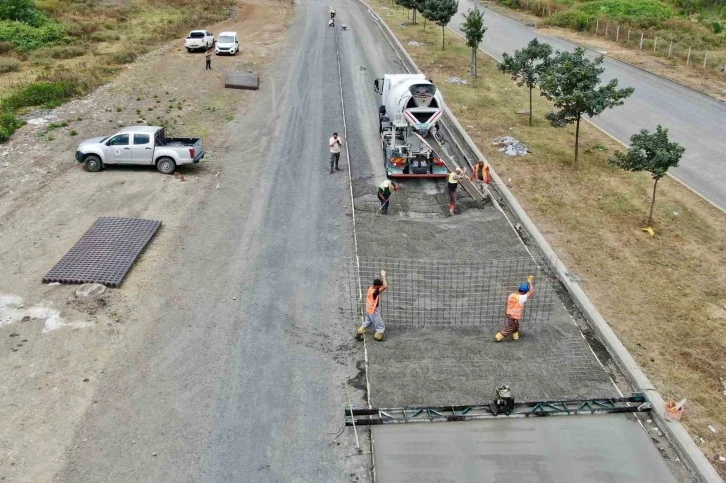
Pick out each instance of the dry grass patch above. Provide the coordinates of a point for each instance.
(664, 296)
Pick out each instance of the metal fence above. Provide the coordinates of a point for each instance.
(664, 44)
(451, 292)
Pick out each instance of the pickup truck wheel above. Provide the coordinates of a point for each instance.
(166, 165)
(92, 163)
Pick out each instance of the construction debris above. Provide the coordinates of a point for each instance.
(510, 146)
(413, 43)
(457, 80)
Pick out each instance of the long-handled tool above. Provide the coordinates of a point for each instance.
(388, 202)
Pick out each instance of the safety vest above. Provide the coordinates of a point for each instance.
(372, 299)
(481, 172)
(514, 308)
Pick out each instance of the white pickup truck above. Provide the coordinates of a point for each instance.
(199, 39)
(141, 145)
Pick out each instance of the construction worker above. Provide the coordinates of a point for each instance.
(385, 190)
(373, 309)
(335, 144)
(208, 60)
(454, 178)
(481, 178)
(515, 306)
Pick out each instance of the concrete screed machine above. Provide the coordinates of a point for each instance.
(410, 109)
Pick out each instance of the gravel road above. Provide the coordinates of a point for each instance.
(695, 120)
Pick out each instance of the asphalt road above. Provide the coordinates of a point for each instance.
(242, 378)
(693, 119)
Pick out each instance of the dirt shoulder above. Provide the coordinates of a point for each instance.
(54, 346)
(708, 82)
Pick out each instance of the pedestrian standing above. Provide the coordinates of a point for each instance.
(481, 178)
(208, 60)
(454, 178)
(385, 190)
(373, 309)
(515, 307)
(335, 144)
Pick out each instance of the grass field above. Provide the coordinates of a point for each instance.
(67, 47)
(664, 296)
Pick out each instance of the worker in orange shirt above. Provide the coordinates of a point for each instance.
(481, 178)
(373, 309)
(515, 307)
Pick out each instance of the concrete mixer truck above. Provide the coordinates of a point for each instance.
(410, 109)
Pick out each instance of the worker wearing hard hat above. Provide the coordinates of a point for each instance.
(454, 178)
(515, 307)
(385, 190)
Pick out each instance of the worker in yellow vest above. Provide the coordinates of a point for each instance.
(515, 307)
(454, 178)
(373, 309)
(481, 178)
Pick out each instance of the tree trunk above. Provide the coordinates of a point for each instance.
(414, 15)
(424, 23)
(475, 72)
(473, 62)
(530, 105)
(577, 140)
(652, 203)
(443, 39)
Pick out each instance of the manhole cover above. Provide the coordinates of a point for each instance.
(105, 253)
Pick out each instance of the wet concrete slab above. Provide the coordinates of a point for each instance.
(559, 449)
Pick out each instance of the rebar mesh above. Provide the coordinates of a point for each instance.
(451, 292)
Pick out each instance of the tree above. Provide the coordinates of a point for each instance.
(526, 66)
(440, 12)
(573, 83)
(410, 5)
(473, 28)
(652, 153)
(21, 11)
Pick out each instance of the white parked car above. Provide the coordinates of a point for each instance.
(199, 39)
(227, 43)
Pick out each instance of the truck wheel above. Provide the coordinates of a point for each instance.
(189, 50)
(92, 163)
(166, 165)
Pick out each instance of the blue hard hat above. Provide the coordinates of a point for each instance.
(524, 287)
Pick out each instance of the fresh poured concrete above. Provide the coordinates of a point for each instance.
(557, 449)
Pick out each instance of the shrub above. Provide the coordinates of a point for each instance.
(46, 94)
(124, 57)
(21, 11)
(9, 65)
(67, 51)
(641, 13)
(105, 36)
(717, 27)
(8, 125)
(571, 19)
(26, 37)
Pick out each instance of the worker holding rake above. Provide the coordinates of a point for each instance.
(481, 178)
(385, 191)
(515, 307)
(373, 309)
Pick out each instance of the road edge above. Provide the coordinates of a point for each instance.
(684, 445)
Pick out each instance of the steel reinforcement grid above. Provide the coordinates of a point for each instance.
(451, 293)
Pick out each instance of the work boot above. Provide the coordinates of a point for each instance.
(360, 332)
(451, 212)
(378, 336)
(515, 336)
(337, 168)
(499, 337)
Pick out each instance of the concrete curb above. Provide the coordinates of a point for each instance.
(684, 445)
